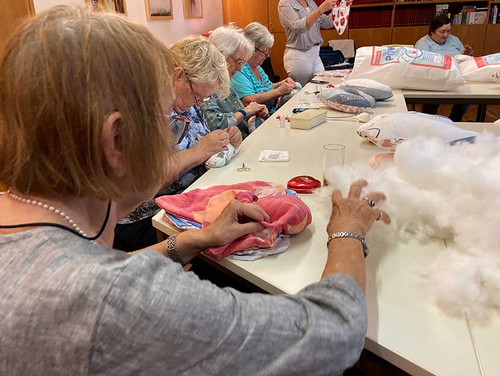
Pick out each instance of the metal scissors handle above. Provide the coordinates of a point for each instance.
(243, 168)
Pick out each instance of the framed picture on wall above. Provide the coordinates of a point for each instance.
(159, 9)
(193, 8)
(116, 5)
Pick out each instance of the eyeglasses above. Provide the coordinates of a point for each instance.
(197, 100)
(238, 61)
(264, 53)
(179, 126)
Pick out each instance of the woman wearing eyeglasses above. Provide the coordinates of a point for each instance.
(200, 71)
(252, 84)
(223, 112)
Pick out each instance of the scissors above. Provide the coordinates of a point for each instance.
(243, 168)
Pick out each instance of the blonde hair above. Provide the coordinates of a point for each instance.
(229, 41)
(259, 35)
(61, 75)
(202, 62)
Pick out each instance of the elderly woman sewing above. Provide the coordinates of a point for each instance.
(79, 133)
(223, 112)
(252, 84)
(200, 71)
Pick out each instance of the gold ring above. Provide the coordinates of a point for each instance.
(379, 214)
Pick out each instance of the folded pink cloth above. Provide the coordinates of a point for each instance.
(288, 214)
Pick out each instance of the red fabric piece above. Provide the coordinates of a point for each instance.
(288, 214)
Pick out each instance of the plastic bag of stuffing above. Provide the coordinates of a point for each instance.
(407, 68)
(388, 130)
(481, 68)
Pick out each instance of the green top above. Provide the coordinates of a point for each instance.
(219, 113)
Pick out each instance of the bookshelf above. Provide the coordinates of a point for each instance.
(376, 22)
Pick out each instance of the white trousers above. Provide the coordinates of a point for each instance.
(301, 65)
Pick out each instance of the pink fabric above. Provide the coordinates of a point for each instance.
(288, 214)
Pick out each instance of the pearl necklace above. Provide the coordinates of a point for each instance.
(50, 208)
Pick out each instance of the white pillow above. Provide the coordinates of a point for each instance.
(388, 130)
(481, 68)
(346, 100)
(407, 68)
(371, 87)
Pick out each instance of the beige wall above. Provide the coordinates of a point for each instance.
(168, 31)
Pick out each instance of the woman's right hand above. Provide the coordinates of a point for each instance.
(236, 220)
(354, 214)
(212, 143)
(284, 89)
(253, 108)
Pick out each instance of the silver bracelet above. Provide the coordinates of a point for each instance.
(345, 234)
(172, 250)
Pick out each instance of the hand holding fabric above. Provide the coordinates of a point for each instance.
(234, 135)
(212, 143)
(263, 113)
(236, 220)
(253, 108)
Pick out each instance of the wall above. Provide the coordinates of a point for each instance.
(168, 31)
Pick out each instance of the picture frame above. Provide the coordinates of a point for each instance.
(193, 8)
(159, 10)
(116, 5)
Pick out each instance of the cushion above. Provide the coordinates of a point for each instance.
(371, 87)
(346, 100)
(407, 68)
(481, 68)
(388, 130)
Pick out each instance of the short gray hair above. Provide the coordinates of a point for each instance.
(229, 41)
(259, 34)
(202, 62)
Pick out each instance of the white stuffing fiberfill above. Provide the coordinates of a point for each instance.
(449, 192)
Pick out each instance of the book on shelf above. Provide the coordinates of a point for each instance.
(494, 14)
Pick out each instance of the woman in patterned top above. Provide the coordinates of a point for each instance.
(200, 71)
(225, 112)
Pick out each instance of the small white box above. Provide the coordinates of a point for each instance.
(307, 119)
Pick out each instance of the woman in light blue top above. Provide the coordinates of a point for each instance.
(252, 84)
(440, 40)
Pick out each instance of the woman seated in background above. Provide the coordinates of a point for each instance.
(251, 83)
(80, 134)
(439, 40)
(224, 112)
(200, 71)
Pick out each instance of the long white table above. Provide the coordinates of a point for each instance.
(480, 93)
(405, 327)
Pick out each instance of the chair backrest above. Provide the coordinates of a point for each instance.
(268, 68)
(329, 56)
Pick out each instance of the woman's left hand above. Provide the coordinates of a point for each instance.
(289, 82)
(235, 136)
(236, 220)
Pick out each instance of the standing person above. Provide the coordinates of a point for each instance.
(439, 40)
(222, 112)
(302, 21)
(79, 133)
(251, 83)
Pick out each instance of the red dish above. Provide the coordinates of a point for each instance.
(303, 184)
